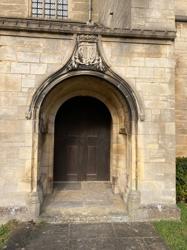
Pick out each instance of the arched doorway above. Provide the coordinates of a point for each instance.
(98, 90)
(82, 141)
(123, 111)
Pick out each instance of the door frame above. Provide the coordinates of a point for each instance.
(104, 118)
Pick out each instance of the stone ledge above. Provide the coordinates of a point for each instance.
(67, 27)
(14, 213)
(155, 213)
(179, 18)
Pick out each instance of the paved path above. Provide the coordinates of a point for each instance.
(106, 236)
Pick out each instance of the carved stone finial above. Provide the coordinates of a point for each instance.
(87, 55)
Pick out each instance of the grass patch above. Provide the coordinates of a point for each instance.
(5, 231)
(174, 233)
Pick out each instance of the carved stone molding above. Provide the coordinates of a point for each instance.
(87, 55)
(67, 27)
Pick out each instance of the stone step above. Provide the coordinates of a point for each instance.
(60, 218)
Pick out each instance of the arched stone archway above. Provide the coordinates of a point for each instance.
(123, 133)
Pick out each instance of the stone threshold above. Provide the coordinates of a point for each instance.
(68, 27)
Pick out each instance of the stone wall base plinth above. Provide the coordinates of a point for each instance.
(155, 213)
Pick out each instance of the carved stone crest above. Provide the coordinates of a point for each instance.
(87, 55)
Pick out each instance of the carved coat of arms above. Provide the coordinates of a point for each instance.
(87, 56)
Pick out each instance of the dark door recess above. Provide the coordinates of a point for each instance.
(82, 141)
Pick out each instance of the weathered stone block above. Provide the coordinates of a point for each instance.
(7, 53)
(4, 67)
(22, 68)
(28, 57)
(10, 82)
(28, 81)
(50, 58)
(38, 69)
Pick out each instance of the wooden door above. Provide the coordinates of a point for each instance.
(82, 141)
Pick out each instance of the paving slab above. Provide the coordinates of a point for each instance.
(97, 236)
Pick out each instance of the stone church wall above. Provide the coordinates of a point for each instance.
(147, 14)
(181, 88)
(24, 64)
(115, 14)
(138, 14)
(148, 66)
(151, 14)
(77, 9)
(16, 8)
(181, 79)
(181, 7)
